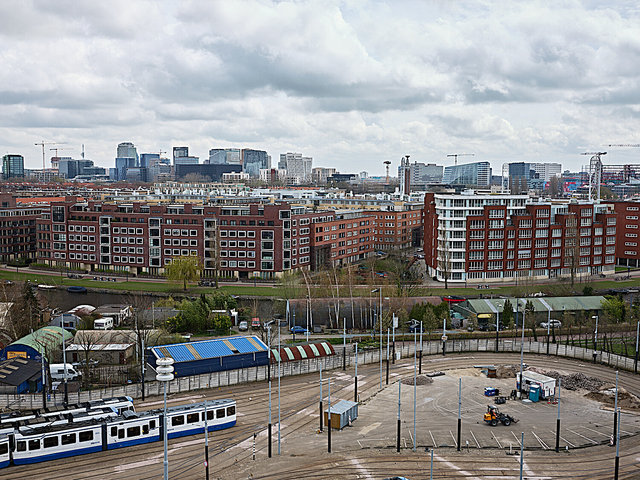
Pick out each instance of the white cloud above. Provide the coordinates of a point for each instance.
(351, 83)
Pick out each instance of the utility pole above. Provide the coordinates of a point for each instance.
(398, 428)
(558, 420)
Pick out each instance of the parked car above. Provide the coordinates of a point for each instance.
(243, 326)
(298, 329)
(551, 324)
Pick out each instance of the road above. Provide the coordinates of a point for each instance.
(304, 450)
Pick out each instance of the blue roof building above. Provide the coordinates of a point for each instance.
(195, 358)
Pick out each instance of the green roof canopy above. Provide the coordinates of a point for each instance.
(46, 338)
(540, 304)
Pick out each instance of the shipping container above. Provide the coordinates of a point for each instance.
(342, 414)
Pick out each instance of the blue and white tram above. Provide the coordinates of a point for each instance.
(5, 454)
(49, 443)
(35, 443)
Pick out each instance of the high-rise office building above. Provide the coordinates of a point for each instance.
(147, 158)
(253, 161)
(225, 156)
(179, 152)
(424, 173)
(12, 166)
(297, 166)
(127, 150)
(478, 173)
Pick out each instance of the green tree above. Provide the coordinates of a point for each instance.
(615, 309)
(429, 319)
(184, 269)
(507, 316)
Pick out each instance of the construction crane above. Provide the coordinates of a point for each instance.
(456, 155)
(55, 149)
(43, 144)
(595, 173)
(636, 145)
(387, 163)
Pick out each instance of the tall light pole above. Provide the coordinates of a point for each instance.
(279, 387)
(165, 375)
(66, 373)
(268, 325)
(595, 340)
(524, 310)
(376, 290)
(498, 325)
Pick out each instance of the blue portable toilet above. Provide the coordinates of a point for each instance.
(534, 393)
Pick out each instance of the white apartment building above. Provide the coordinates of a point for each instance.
(296, 166)
(547, 170)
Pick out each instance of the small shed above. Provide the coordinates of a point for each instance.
(342, 414)
(547, 384)
(105, 353)
(69, 321)
(195, 358)
(20, 375)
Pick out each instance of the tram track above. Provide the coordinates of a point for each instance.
(300, 395)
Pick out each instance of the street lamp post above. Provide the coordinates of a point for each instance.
(595, 340)
(64, 361)
(548, 328)
(498, 325)
(268, 325)
(521, 348)
(379, 290)
(165, 375)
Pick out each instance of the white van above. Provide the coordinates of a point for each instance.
(57, 372)
(105, 323)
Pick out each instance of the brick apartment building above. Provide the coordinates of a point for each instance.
(628, 244)
(17, 229)
(397, 229)
(240, 240)
(480, 238)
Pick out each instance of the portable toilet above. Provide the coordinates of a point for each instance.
(534, 393)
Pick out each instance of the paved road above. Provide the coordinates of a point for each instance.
(304, 450)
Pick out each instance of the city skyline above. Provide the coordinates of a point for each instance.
(345, 83)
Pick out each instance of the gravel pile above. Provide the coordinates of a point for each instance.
(576, 381)
(420, 380)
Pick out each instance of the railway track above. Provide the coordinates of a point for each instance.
(233, 448)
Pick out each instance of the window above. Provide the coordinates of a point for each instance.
(22, 446)
(220, 413)
(50, 442)
(85, 436)
(34, 444)
(231, 411)
(133, 431)
(68, 439)
(178, 420)
(192, 418)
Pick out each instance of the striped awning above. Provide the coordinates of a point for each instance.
(301, 352)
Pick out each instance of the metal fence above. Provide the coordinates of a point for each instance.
(367, 356)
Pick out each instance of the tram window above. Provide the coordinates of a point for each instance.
(231, 411)
(34, 444)
(114, 431)
(145, 429)
(50, 442)
(22, 446)
(152, 424)
(192, 418)
(121, 433)
(85, 436)
(220, 413)
(133, 431)
(179, 420)
(210, 414)
(68, 439)
(4, 449)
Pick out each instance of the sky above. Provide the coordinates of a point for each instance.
(350, 83)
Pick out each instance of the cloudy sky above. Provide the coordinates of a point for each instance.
(350, 83)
